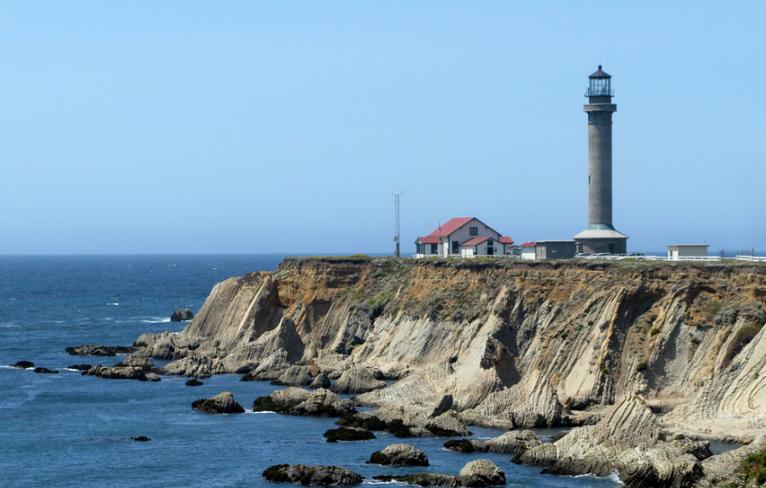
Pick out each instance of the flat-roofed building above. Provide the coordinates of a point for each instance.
(677, 252)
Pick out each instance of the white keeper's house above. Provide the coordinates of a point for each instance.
(463, 237)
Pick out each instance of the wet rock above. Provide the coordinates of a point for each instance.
(40, 369)
(312, 475)
(116, 373)
(481, 473)
(348, 434)
(221, 403)
(297, 401)
(194, 382)
(140, 438)
(98, 350)
(399, 455)
(466, 446)
(23, 364)
(154, 377)
(421, 479)
(357, 379)
(181, 314)
(80, 367)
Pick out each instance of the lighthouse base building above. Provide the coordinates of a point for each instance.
(604, 240)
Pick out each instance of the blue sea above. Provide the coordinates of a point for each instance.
(71, 430)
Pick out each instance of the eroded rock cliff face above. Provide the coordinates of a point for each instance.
(502, 343)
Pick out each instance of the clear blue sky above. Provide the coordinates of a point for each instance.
(197, 126)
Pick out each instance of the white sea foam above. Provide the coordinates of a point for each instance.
(155, 320)
(114, 304)
(247, 410)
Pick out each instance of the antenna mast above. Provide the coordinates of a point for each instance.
(396, 230)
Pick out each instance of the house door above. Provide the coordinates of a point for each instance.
(490, 250)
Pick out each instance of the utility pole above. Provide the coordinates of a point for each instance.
(397, 251)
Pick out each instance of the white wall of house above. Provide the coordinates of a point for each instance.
(529, 253)
(679, 252)
(464, 233)
(482, 249)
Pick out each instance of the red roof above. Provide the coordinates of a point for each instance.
(474, 242)
(505, 240)
(451, 226)
(529, 244)
(429, 240)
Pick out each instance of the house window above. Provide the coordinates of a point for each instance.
(434, 248)
(474, 231)
(455, 247)
(419, 248)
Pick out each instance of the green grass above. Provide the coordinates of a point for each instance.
(754, 467)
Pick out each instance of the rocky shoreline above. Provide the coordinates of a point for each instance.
(642, 361)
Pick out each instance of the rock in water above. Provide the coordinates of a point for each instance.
(140, 438)
(480, 473)
(297, 401)
(194, 382)
(421, 479)
(312, 475)
(399, 455)
(221, 403)
(117, 373)
(40, 369)
(466, 446)
(152, 377)
(98, 350)
(23, 364)
(80, 367)
(346, 434)
(181, 314)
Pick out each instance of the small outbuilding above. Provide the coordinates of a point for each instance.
(548, 250)
(678, 252)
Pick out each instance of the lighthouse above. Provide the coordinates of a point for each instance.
(600, 236)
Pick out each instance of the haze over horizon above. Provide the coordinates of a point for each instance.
(189, 127)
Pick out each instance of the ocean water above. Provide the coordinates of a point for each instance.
(71, 430)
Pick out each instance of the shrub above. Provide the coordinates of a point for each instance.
(754, 467)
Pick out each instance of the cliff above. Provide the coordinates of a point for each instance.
(501, 343)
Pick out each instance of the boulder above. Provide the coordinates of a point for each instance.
(153, 377)
(40, 369)
(23, 364)
(191, 365)
(312, 475)
(420, 479)
(399, 455)
(138, 361)
(514, 442)
(348, 434)
(116, 372)
(357, 379)
(447, 425)
(221, 403)
(80, 367)
(194, 382)
(181, 314)
(466, 446)
(321, 381)
(140, 438)
(98, 350)
(297, 401)
(480, 473)
(295, 376)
